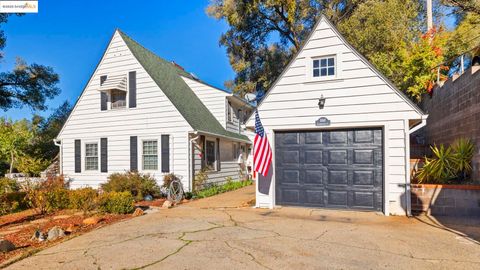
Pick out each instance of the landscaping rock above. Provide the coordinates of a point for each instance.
(55, 233)
(38, 235)
(6, 246)
(138, 212)
(91, 220)
(148, 198)
(167, 204)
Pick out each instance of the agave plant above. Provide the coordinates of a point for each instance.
(462, 158)
(439, 168)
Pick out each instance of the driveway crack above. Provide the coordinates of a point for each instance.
(248, 254)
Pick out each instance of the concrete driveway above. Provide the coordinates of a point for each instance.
(197, 236)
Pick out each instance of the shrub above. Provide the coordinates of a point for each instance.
(448, 162)
(12, 202)
(188, 195)
(217, 189)
(48, 195)
(201, 178)
(136, 183)
(85, 199)
(117, 202)
(464, 150)
(8, 185)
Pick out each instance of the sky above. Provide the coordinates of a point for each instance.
(71, 36)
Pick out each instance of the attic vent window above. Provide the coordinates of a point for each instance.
(323, 67)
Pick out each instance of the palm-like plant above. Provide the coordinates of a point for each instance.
(440, 167)
(463, 153)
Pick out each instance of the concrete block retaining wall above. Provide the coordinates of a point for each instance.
(446, 200)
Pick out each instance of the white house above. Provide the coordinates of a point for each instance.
(140, 112)
(352, 153)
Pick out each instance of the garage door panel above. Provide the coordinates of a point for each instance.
(363, 199)
(334, 169)
(336, 157)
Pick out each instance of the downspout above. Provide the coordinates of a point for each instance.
(407, 162)
(192, 160)
(58, 143)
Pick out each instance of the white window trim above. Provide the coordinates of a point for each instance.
(338, 68)
(158, 154)
(84, 155)
(208, 139)
(109, 94)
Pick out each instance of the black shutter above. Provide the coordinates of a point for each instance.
(103, 155)
(218, 154)
(165, 153)
(103, 95)
(132, 89)
(204, 151)
(78, 156)
(133, 154)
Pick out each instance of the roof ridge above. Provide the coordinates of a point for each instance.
(169, 79)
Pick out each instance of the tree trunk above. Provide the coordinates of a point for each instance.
(11, 162)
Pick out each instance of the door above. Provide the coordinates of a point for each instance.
(332, 169)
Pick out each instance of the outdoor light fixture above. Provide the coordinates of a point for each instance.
(321, 102)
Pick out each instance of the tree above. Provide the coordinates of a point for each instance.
(15, 138)
(264, 35)
(48, 129)
(464, 6)
(26, 85)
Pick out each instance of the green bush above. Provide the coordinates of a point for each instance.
(447, 163)
(217, 189)
(85, 199)
(139, 185)
(201, 178)
(57, 199)
(12, 202)
(8, 185)
(117, 202)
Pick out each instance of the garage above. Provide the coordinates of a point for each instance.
(339, 132)
(333, 169)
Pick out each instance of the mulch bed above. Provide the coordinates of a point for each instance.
(156, 203)
(23, 225)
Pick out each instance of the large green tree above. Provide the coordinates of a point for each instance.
(28, 85)
(15, 138)
(264, 34)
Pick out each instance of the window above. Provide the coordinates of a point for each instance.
(323, 67)
(118, 99)
(235, 151)
(229, 112)
(150, 155)
(210, 154)
(91, 156)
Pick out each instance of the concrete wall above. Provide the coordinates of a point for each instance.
(454, 111)
(438, 200)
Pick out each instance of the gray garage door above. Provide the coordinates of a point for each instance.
(333, 169)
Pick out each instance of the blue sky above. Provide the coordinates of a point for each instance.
(71, 36)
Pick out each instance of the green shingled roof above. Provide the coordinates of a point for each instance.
(167, 76)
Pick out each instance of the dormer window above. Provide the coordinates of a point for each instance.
(113, 92)
(323, 67)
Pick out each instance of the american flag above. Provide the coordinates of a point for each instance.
(262, 153)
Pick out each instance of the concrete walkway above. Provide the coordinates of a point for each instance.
(194, 236)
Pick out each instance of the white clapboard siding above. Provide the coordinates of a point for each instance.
(214, 99)
(357, 97)
(154, 115)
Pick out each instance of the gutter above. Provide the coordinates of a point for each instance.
(420, 125)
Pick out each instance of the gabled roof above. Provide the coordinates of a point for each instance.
(168, 77)
(358, 54)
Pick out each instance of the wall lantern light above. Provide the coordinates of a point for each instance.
(321, 102)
